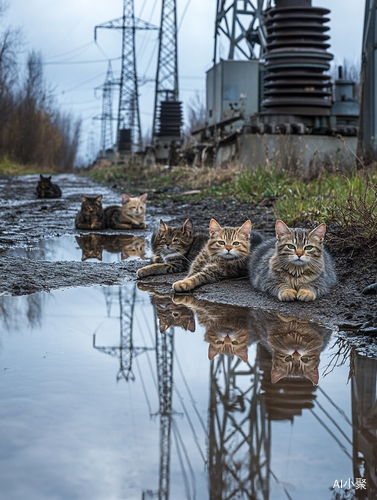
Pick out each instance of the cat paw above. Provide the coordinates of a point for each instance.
(139, 226)
(143, 272)
(182, 299)
(287, 295)
(182, 286)
(96, 225)
(305, 295)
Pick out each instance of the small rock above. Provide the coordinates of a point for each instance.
(370, 290)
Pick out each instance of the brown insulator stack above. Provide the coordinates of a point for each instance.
(170, 119)
(296, 60)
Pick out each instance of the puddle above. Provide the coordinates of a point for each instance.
(109, 392)
(93, 247)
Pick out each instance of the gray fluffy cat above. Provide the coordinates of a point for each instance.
(295, 266)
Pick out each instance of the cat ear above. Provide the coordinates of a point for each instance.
(99, 255)
(123, 256)
(243, 354)
(212, 352)
(188, 227)
(214, 227)
(41, 176)
(143, 197)
(191, 325)
(163, 326)
(281, 229)
(49, 178)
(313, 375)
(245, 229)
(319, 232)
(162, 227)
(125, 198)
(99, 198)
(277, 374)
(83, 198)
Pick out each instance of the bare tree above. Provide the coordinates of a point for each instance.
(197, 113)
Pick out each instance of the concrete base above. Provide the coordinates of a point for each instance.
(289, 150)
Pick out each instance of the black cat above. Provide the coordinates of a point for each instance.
(46, 189)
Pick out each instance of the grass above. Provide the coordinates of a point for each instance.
(346, 202)
(10, 167)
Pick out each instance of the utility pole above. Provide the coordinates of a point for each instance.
(128, 124)
(107, 111)
(167, 116)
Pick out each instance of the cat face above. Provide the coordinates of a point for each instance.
(299, 246)
(296, 351)
(44, 185)
(90, 204)
(134, 248)
(171, 241)
(229, 242)
(223, 340)
(134, 206)
(171, 314)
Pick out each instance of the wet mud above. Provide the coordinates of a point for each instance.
(26, 221)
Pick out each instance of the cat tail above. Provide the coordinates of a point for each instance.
(255, 240)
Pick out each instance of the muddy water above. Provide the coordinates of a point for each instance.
(109, 393)
(97, 247)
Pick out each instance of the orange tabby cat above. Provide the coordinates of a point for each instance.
(130, 215)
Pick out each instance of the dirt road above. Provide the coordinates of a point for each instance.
(27, 221)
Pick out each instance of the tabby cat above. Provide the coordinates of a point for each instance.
(130, 215)
(226, 326)
(225, 256)
(296, 348)
(174, 249)
(296, 266)
(168, 312)
(92, 246)
(91, 215)
(47, 189)
(295, 345)
(127, 245)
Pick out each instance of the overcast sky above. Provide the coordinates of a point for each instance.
(63, 31)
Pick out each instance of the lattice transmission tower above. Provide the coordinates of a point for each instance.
(242, 24)
(128, 123)
(126, 350)
(106, 117)
(167, 116)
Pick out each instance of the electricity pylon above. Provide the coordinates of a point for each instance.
(107, 110)
(128, 109)
(242, 23)
(167, 64)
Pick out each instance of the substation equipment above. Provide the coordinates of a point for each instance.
(274, 91)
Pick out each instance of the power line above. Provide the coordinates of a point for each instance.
(83, 62)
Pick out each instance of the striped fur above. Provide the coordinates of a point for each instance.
(294, 266)
(225, 256)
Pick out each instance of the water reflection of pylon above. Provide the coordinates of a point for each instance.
(164, 360)
(364, 419)
(239, 439)
(126, 351)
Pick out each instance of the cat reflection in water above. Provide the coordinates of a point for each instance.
(92, 246)
(169, 313)
(227, 328)
(295, 345)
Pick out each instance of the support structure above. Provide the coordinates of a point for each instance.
(242, 24)
(128, 124)
(239, 432)
(126, 350)
(167, 116)
(107, 140)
